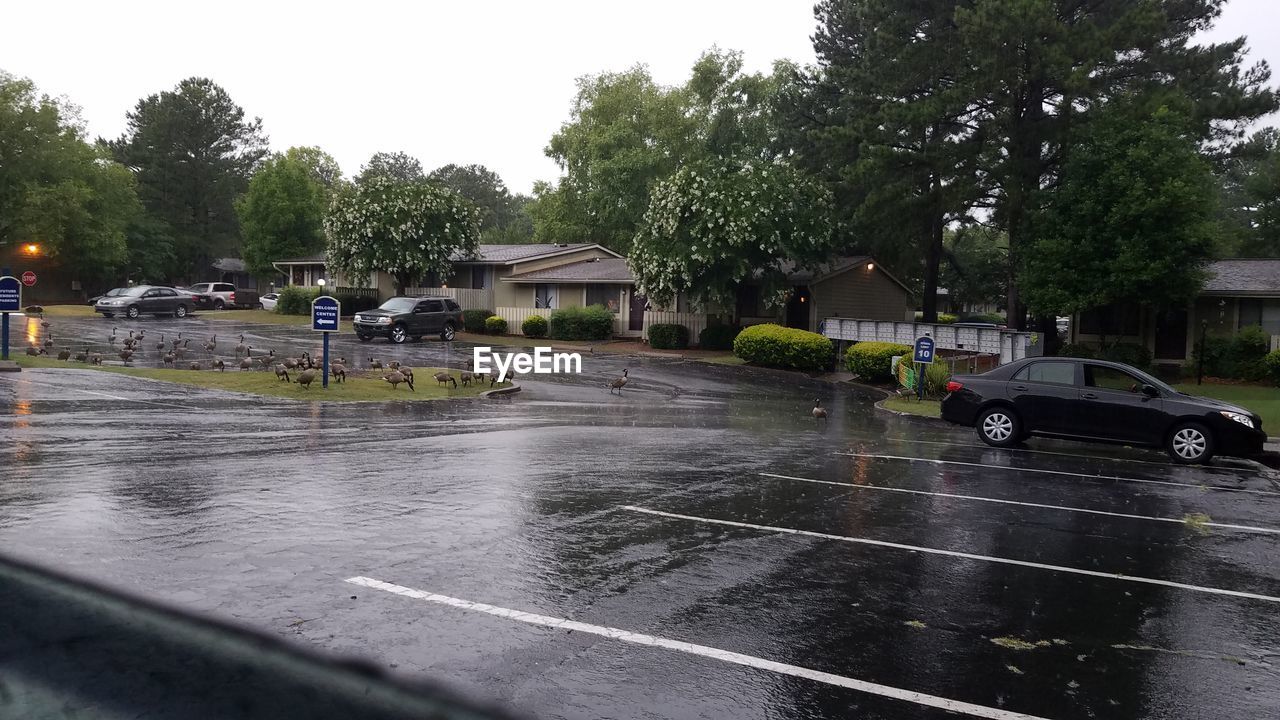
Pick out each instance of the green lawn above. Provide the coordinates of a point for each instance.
(923, 408)
(1261, 399)
(360, 386)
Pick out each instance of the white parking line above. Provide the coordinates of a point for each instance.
(1078, 456)
(1224, 526)
(1058, 472)
(954, 553)
(933, 701)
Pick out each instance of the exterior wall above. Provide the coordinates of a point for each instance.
(859, 293)
(571, 295)
(558, 260)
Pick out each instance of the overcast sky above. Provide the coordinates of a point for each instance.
(465, 82)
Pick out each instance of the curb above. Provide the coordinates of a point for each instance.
(498, 392)
(9, 366)
(923, 418)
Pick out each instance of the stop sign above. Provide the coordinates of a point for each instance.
(28, 278)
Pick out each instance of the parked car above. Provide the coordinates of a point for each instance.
(401, 318)
(199, 300)
(1095, 400)
(113, 292)
(146, 300)
(225, 295)
(268, 301)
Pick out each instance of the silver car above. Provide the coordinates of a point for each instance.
(146, 300)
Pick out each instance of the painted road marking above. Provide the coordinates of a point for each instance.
(17, 381)
(1058, 472)
(955, 553)
(1180, 521)
(1078, 456)
(728, 656)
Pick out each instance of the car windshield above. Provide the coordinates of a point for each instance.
(398, 305)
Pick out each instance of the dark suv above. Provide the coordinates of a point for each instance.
(401, 318)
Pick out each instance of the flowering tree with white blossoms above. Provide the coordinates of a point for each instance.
(711, 226)
(406, 228)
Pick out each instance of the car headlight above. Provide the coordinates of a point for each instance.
(1238, 417)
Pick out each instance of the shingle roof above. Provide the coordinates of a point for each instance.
(511, 253)
(318, 258)
(599, 270)
(1244, 276)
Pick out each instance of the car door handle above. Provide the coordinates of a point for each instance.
(1089, 396)
(1020, 388)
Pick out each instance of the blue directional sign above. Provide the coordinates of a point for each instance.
(924, 350)
(325, 312)
(10, 294)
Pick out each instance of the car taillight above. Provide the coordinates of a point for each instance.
(232, 297)
(954, 386)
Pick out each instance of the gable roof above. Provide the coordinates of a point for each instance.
(835, 267)
(511, 254)
(1244, 276)
(317, 259)
(596, 270)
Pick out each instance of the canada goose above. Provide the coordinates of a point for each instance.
(64, 354)
(241, 347)
(160, 345)
(219, 366)
(112, 340)
(83, 355)
(375, 364)
(395, 378)
(141, 334)
(339, 372)
(443, 377)
(33, 351)
(95, 359)
(619, 383)
(465, 377)
(282, 373)
(246, 363)
(394, 364)
(268, 359)
(212, 344)
(170, 357)
(291, 363)
(819, 412)
(307, 377)
(48, 342)
(44, 323)
(126, 354)
(407, 372)
(195, 365)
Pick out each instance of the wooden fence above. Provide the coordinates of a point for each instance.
(515, 316)
(696, 322)
(468, 298)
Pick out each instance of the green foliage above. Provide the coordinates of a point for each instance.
(668, 336)
(473, 320)
(718, 337)
(713, 225)
(282, 213)
(936, 377)
(503, 219)
(776, 346)
(534, 326)
(872, 361)
(495, 325)
(295, 300)
(193, 152)
(398, 167)
(943, 318)
(995, 318)
(1272, 362)
(1242, 357)
(352, 302)
(593, 322)
(1077, 350)
(1251, 197)
(1128, 353)
(409, 229)
(976, 267)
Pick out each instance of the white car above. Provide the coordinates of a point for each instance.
(269, 301)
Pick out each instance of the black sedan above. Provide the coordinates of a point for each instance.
(1098, 401)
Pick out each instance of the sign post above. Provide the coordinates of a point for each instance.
(10, 302)
(325, 312)
(923, 356)
(29, 278)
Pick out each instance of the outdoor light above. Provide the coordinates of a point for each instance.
(871, 266)
(320, 282)
(32, 249)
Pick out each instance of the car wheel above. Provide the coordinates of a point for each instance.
(133, 312)
(447, 333)
(219, 305)
(180, 311)
(1190, 443)
(258, 307)
(999, 427)
(399, 334)
(363, 338)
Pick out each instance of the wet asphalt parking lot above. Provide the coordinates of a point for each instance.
(697, 547)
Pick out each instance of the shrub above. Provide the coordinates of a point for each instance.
(718, 337)
(943, 318)
(776, 346)
(1129, 354)
(473, 321)
(534, 326)
(872, 361)
(936, 377)
(353, 303)
(495, 325)
(1076, 350)
(1241, 357)
(996, 318)
(296, 300)
(581, 323)
(663, 336)
(1272, 362)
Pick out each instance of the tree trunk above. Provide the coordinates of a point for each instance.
(933, 254)
(402, 282)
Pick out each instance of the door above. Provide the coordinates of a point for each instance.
(635, 320)
(798, 307)
(1113, 406)
(1045, 394)
(150, 302)
(169, 299)
(1171, 334)
(428, 317)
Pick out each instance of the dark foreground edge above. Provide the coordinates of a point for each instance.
(75, 649)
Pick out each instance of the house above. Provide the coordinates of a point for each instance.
(851, 287)
(1237, 294)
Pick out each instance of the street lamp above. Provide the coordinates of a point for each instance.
(320, 282)
(31, 249)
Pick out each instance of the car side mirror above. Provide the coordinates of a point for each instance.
(1150, 391)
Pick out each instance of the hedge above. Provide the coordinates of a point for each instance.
(1130, 354)
(943, 318)
(1076, 350)
(873, 361)
(776, 346)
(473, 321)
(534, 326)
(296, 300)
(495, 325)
(718, 337)
(581, 323)
(1242, 357)
(1272, 361)
(666, 336)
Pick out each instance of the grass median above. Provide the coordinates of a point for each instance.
(923, 408)
(360, 386)
(1262, 399)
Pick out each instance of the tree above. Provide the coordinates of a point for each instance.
(1251, 197)
(408, 229)
(282, 213)
(320, 166)
(715, 224)
(1133, 218)
(193, 152)
(502, 217)
(976, 265)
(398, 166)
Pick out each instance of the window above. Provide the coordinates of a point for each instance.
(1109, 378)
(480, 277)
(224, 287)
(1110, 320)
(451, 305)
(429, 306)
(165, 292)
(544, 296)
(606, 295)
(748, 300)
(1056, 373)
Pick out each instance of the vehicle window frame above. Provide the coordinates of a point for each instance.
(1026, 370)
(434, 306)
(1086, 374)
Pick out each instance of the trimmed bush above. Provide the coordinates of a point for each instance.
(534, 326)
(936, 377)
(776, 346)
(495, 325)
(995, 318)
(1241, 357)
(473, 321)
(1129, 354)
(296, 300)
(873, 361)
(718, 337)
(581, 323)
(665, 336)
(1272, 361)
(943, 318)
(1076, 350)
